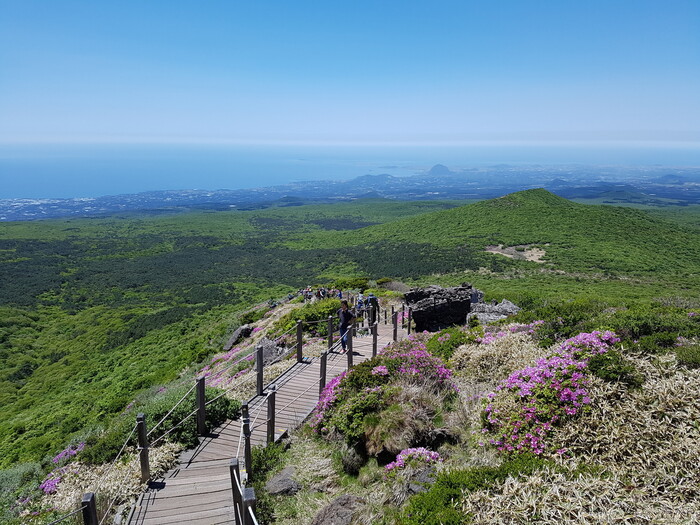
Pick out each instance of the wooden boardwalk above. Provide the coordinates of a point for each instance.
(198, 489)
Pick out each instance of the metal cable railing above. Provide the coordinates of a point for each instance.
(114, 461)
(171, 410)
(175, 426)
(63, 518)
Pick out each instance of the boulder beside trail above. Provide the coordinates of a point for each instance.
(340, 511)
(241, 333)
(489, 313)
(271, 352)
(283, 483)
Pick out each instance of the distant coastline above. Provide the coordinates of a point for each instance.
(64, 171)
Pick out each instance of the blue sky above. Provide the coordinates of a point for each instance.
(349, 72)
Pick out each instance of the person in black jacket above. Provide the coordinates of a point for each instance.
(346, 316)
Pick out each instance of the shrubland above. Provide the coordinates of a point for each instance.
(98, 314)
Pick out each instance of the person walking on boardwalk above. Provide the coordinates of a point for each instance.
(373, 308)
(346, 316)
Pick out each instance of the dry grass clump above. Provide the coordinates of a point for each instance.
(245, 386)
(651, 434)
(119, 483)
(497, 360)
(645, 442)
(551, 497)
(410, 418)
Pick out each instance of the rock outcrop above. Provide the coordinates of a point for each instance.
(434, 308)
(489, 313)
(241, 333)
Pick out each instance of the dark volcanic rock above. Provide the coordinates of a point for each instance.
(339, 511)
(271, 352)
(240, 333)
(489, 313)
(283, 484)
(434, 308)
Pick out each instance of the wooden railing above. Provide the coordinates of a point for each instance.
(244, 497)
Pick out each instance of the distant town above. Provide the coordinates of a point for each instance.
(619, 185)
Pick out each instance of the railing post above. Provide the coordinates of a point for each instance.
(375, 328)
(385, 316)
(143, 447)
(236, 487)
(324, 366)
(410, 314)
(351, 329)
(259, 364)
(300, 341)
(89, 509)
(244, 410)
(271, 414)
(248, 452)
(248, 505)
(395, 321)
(403, 314)
(201, 407)
(330, 332)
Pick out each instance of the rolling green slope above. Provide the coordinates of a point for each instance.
(95, 310)
(575, 237)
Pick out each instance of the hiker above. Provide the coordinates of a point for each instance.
(346, 316)
(373, 305)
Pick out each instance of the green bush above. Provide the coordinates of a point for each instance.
(314, 313)
(252, 316)
(350, 283)
(350, 416)
(564, 320)
(612, 367)
(689, 356)
(445, 342)
(440, 504)
(102, 448)
(15, 483)
(265, 459)
(656, 343)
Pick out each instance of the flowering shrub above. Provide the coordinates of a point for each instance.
(444, 342)
(380, 370)
(414, 455)
(325, 402)
(491, 336)
(387, 403)
(524, 408)
(68, 452)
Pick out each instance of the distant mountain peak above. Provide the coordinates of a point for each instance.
(439, 170)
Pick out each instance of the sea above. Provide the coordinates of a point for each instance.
(54, 171)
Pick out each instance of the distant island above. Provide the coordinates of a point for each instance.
(619, 185)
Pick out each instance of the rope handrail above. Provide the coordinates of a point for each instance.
(296, 398)
(260, 408)
(175, 426)
(59, 520)
(240, 440)
(252, 516)
(171, 410)
(114, 461)
(114, 499)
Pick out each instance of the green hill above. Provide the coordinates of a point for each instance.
(575, 237)
(96, 310)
